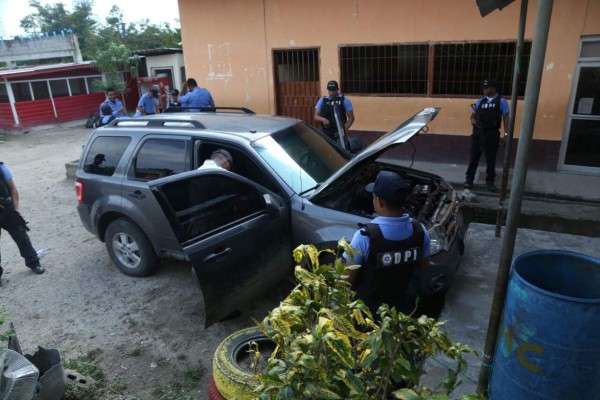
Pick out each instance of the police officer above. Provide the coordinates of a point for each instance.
(147, 105)
(324, 111)
(115, 104)
(12, 221)
(391, 246)
(490, 111)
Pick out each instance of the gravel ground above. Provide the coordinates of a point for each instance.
(146, 333)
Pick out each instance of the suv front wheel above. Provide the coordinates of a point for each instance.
(130, 249)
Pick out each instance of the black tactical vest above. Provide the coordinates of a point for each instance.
(5, 195)
(327, 108)
(387, 273)
(490, 114)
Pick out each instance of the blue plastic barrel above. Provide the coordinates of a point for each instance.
(549, 340)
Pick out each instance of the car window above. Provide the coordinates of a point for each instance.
(158, 158)
(207, 203)
(105, 153)
(300, 156)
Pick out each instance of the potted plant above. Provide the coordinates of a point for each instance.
(329, 346)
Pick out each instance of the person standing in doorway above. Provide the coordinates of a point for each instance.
(325, 111)
(487, 115)
(12, 221)
(196, 97)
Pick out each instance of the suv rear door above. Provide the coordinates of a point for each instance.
(155, 156)
(236, 234)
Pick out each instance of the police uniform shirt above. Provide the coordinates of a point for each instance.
(392, 228)
(197, 98)
(114, 106)
(6, 173)
(148, 104)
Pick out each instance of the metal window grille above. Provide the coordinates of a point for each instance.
(448, 69)
(384, 69)
(460, 68)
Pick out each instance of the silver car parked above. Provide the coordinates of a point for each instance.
(140, 192)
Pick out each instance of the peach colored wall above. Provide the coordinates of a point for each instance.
(241, 35)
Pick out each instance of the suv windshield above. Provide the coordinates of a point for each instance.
(300, 156)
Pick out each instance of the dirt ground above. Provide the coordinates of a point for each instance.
(147, 333)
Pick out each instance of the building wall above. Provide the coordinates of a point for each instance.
(174, 61)
(228, 49)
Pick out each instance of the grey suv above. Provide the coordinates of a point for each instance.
(139, 192)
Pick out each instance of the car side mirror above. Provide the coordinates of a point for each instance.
(272, 206)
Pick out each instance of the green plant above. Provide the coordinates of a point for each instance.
(3, 316)
(329, 346)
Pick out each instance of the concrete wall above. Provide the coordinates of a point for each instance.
(228, 48)
(39, 48)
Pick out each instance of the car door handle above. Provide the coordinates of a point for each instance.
(137, 195)
(217, 256)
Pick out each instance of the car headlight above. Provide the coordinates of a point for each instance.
(439, 239)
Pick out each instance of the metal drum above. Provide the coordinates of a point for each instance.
(549, 340)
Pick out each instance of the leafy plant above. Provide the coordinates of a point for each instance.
(329, 346)
(3, 316)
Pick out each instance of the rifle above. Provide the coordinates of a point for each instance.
(341, 129)
(479, 129)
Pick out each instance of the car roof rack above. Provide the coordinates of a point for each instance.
(176, 123)
(210, 109)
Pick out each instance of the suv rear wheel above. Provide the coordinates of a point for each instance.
(130, 249)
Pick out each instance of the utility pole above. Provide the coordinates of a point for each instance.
(513, 113)
(534, 79)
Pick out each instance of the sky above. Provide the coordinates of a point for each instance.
(12, 11)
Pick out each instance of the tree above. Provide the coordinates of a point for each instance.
(114, 61)
(54, 18)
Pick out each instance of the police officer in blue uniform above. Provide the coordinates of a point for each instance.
(490, 111)
(12, 221)
(115, 104)
(324, 111)
(147, 104)
(196, 97)
(391, 247)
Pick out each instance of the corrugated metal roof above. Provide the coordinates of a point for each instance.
(43, 69)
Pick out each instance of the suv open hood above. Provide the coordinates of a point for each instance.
(401, 134)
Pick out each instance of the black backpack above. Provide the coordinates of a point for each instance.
(91, 121)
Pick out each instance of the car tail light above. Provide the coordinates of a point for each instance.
(79, 190)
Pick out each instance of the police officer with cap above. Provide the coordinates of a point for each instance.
(147, 105)
(488, 114)
(324, 111)
(391, 247)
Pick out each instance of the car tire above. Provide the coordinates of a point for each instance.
(130, 249)
(231, 381)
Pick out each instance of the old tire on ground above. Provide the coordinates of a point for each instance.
(231, 381)
(130, 249)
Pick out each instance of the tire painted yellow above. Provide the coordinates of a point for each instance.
(232, 382)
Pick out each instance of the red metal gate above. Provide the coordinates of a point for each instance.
(297, 85)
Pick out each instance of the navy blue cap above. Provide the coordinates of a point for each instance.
(332, 85)
(489, 82)
(105, 109)
(389, 186)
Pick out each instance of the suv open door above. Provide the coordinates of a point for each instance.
(236, 234)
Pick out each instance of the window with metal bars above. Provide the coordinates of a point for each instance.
(436, 69)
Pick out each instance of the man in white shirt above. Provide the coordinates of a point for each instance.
(219, 158)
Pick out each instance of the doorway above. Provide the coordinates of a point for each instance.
(580, 151)
(297, 85)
